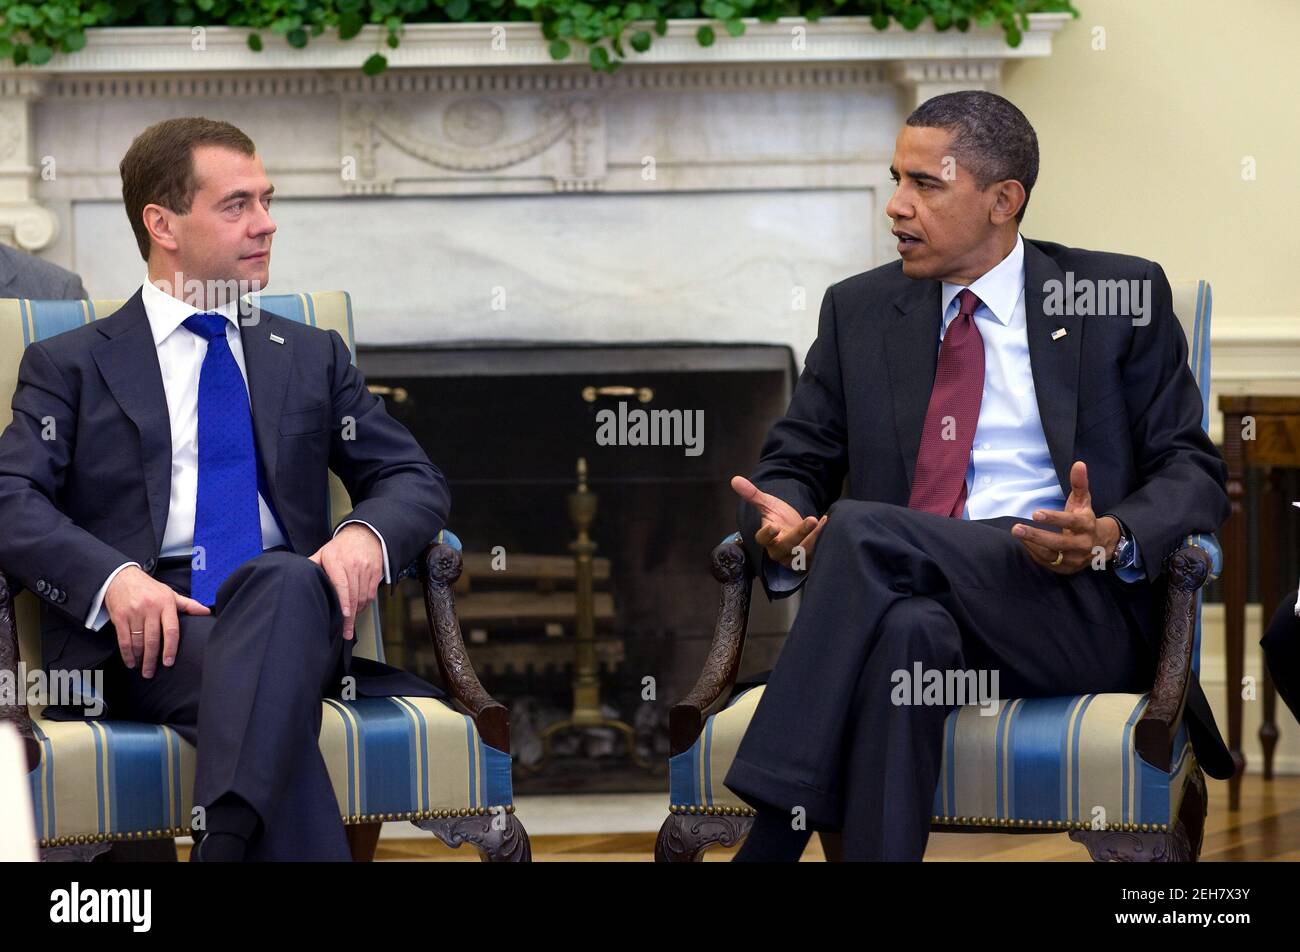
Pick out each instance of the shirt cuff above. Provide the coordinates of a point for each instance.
(388, 579)
(778, 578)
(97, 617)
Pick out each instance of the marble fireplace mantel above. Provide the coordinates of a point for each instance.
(691, 185)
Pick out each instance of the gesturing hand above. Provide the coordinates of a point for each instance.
(781, 528)
(354, 562)
(1081, 531)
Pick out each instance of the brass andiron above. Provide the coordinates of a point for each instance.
(586, 676)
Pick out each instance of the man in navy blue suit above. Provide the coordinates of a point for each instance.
(980, 470)
(164, 492)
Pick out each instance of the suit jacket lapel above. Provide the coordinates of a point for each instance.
(128, 360)
(1055, 363)
(267, 363)
(912, 346)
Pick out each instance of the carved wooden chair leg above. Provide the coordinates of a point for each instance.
(362, 840)
(684, 837)
(1192, 813)
(1181, 844)
(498, 837)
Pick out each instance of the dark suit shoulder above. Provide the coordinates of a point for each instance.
(299, 333)
(1084, 261)
(887, 279)
(887, 282)
(67, 345)
(32, 277)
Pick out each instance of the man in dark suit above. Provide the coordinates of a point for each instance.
(181, 542)
(1012, 465)
(26, 276)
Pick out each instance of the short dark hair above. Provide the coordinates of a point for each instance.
(992, 137)
(158, 168)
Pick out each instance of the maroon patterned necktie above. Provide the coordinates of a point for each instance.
(939, 485)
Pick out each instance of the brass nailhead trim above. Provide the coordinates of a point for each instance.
(696, 809)
(1049, 824)
(84, 839)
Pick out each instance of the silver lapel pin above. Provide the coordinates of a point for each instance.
(1058, 333)
(277, 338)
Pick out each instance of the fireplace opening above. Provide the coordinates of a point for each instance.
(658, 429)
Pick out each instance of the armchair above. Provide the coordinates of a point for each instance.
(1116, 771)
(444, 768)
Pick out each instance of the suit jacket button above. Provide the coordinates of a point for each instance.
(63, 596)
(150, 563)
(42, 586)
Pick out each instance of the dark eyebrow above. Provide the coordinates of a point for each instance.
(242, 193)
(917, 176)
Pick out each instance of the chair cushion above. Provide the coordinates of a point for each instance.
(1054, 763)
(388, 758)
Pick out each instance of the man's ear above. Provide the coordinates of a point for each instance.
(158, 222)
(1009, 198)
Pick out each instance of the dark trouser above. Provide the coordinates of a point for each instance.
(246, 689)
(1281, 644)
(890, 587)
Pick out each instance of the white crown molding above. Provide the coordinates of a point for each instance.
(442, 45)
(719, 77)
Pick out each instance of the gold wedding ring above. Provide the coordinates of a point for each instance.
(1060, 557)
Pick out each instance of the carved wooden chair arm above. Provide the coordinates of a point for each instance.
(442, 566)
(687, 717)
(1187, 569)
(15, 713)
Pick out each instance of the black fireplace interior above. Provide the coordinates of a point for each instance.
(507, 424)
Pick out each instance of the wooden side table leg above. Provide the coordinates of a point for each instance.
(1234, 595)
(1272, 516)
(1268, 732)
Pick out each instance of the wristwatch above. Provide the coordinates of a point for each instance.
(1122, 556)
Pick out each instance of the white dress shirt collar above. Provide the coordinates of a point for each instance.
(998, 288)
(166, 313)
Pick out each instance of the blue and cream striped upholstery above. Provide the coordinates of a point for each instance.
(1044, 763)
(389, 758)
(1054, 762)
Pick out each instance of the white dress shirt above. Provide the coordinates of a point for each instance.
(180, 357)
(1010, 471)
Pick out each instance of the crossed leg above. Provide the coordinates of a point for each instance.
(246, 689)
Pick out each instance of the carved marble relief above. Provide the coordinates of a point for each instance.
(415, 146)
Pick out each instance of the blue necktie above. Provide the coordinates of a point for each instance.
(227, 523)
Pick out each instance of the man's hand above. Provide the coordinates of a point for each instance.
(354, 562)
(782, 528)
(1081, 531)
(144, 614)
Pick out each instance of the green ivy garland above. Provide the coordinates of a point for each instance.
(32, 32)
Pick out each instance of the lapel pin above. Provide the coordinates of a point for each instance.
(280, 340)
(1058, 333)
